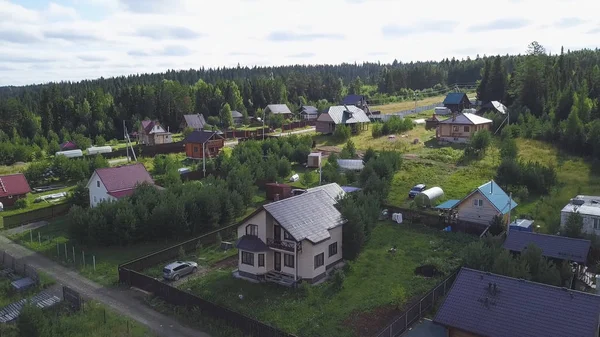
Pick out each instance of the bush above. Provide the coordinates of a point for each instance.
(337, 281)
(342, 133)
(100, 141)
(21, 203)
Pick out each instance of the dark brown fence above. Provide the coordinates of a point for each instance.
(433, 219)
(417, 309)
(130, 274)
(148, 150)
(46, 213)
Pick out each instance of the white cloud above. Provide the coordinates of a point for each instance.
(94, 38)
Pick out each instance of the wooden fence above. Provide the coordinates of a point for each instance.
(130, 273)
(46, 213)
(417, 309)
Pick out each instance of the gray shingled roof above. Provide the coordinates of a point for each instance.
(236, 114)
(309, 110)
(278, 109)
(195, 121)
(307, 216)
(334, 190)
(347, 115)
(553, 246)
(518, 308)
(466, 119)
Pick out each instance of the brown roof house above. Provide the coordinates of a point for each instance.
(196, 122)
(152, 133)
(460, 128)
(113, 183)
(12, 188)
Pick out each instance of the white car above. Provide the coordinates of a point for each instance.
(174, 271)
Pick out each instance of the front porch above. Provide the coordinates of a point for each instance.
(272, 276)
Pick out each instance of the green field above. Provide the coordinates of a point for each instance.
(377, 284)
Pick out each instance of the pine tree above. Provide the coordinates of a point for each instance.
(496, 86)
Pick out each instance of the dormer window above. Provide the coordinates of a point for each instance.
(252, 230)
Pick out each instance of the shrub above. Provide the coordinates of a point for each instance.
(337, 281)
(342, 133)
(21, 203)
(181, 252)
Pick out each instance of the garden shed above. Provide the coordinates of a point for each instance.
(277, 192)
(314, 160)
(427, 197)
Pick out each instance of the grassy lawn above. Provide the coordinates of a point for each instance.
(43, 204)
(107, 258)
(575, 176)
(16, 168)
(407, 105)
(377, 284)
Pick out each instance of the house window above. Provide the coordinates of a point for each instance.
(332, 249)
(319, 260)
(466, 129)
(98, 183)
(95, 199)
(248, 258)
(252, 230)
(288, 236)
(596, 224)
(455, 128)
(261, 260)
(478, 202)
(288, 260)
(195, 149)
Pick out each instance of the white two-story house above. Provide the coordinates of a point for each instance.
(292, 240)
(113, 183)
(589, 208)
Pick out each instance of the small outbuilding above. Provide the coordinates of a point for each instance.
(521, 225)
(68, 145)
(277, 191)
(432, 122)
(314, 160)
(427, 197)
(12, 188)
(457, 101)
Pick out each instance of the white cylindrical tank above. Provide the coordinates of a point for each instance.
(70, 153)
(99, 149)
(426, 198)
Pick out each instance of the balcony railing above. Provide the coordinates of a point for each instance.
(284, 245)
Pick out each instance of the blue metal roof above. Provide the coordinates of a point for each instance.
(517, 308)
(496, 196)
(455, 98)
(352, 99)
(552, 246)
(448, 204)
(350, 189)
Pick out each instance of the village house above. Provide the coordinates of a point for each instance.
(113, 183)
(278, 109)
(291, 240)
(12, 188)
(308, 113)
(238, 118)
(199, 141)
(555, 247)
(588, 207)
(460, 128)
(481, 304)
(152, 133)
(358, 101)
(68, 146)
(195, 122)
(483, 204)
(349, 115)
(457, 102)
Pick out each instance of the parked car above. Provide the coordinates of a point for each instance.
(416, 190)
(176, 270)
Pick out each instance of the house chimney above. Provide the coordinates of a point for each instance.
(453, 116)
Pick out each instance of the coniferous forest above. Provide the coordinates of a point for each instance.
(552, 97)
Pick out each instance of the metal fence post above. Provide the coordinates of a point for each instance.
(83, 257)
(73, 255)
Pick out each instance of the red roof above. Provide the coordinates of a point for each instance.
(117, 179)
(148, 125)
(13, 184)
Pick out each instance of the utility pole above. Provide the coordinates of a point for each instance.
(204, 159)
(415, 102)
(509, 209)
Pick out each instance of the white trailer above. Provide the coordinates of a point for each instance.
(99, 149)
(70, 153)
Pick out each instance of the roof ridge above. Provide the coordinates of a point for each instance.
(487, 273)
(552, 235)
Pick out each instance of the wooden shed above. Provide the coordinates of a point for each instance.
(432, 123)
(277, 191)
(314, 160)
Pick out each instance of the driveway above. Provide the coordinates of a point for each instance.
(122, 301)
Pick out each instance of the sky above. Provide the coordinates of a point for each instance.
(70, 40)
